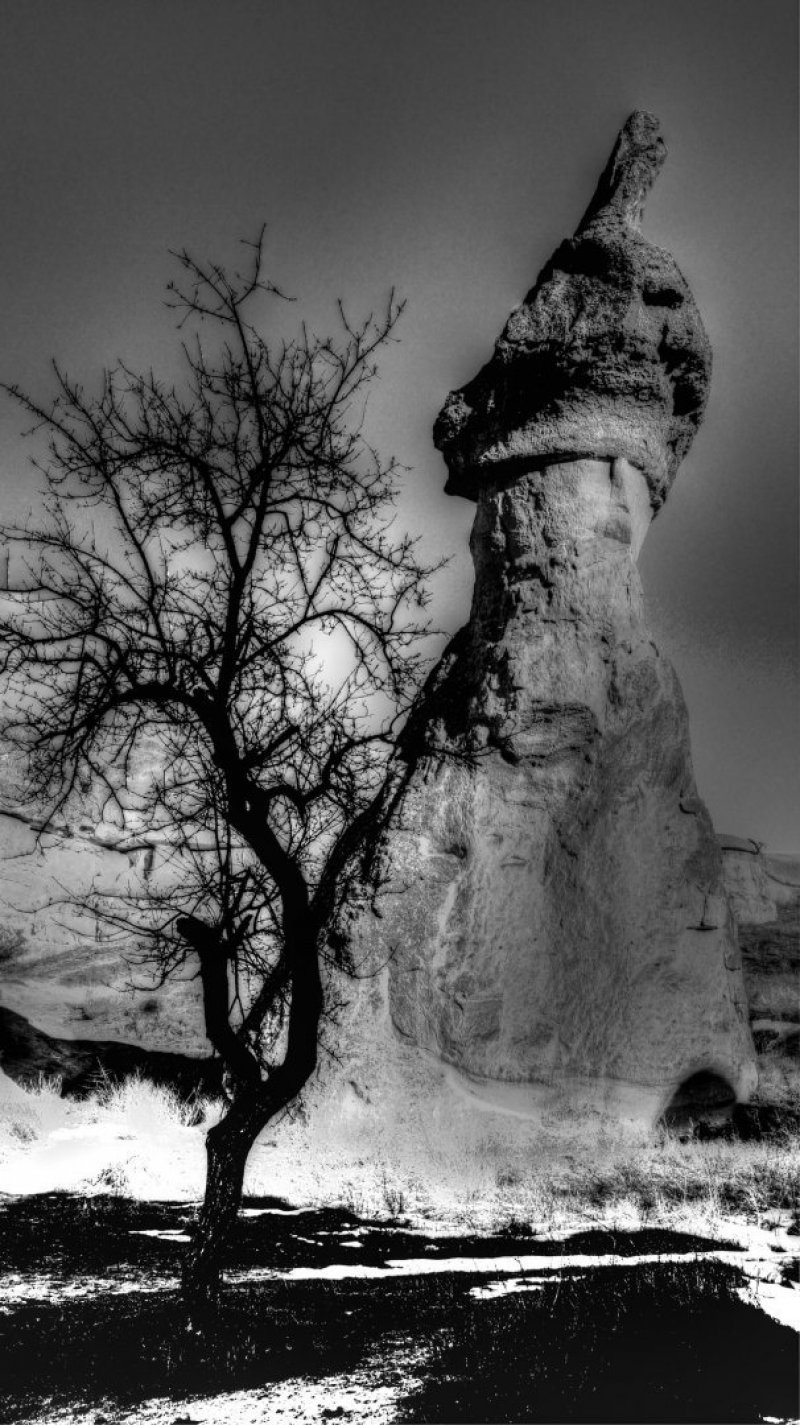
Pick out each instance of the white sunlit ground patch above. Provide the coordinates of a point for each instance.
(135, 1138)
(764, 1288)
(521, 1272)
(363, 1396)
(17, 1288)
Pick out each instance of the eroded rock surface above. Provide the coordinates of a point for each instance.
(607, 355)
(764, 893)
(549, 883)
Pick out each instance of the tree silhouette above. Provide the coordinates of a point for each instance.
(214, 627)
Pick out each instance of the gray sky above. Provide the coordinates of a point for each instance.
(444, 147)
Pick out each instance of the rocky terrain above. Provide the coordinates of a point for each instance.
(84, 1065)
(606, 357)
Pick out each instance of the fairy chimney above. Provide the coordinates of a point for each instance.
(549, 883)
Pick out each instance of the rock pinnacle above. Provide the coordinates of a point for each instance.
(606, 356)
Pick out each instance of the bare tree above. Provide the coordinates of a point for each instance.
(215, 624)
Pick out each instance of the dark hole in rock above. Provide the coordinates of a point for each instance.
(705, 1100)
(662, 297)
(458, 851)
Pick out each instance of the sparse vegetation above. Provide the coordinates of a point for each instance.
(588, 1349)
(134, 1138)
(445, 1345)
(636, 1339)
(138, 1139)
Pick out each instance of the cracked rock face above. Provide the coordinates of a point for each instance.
(549, 881)
(607, 355)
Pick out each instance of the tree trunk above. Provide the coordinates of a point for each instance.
(228, 1146)
(229, 1142)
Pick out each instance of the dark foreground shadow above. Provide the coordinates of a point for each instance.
(649, 1343)
(670, 1344)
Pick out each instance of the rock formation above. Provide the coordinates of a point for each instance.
(764, 892)
(547, 888)
(606, 357)
(548, 882)
(85, 1066)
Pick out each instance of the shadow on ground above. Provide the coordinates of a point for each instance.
(662, 1342)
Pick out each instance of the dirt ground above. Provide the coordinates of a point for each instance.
(328, 1317)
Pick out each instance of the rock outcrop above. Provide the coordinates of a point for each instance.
(549, 883)
(86, 1065)
(764, 892)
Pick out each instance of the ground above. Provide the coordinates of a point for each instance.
(652, 1282)
(327, 1316)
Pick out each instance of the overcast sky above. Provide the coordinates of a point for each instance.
(444, 147)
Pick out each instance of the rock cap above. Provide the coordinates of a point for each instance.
(606, 357)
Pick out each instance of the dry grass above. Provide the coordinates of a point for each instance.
(144, 1107)
(473, 1173)
(478, 1175)
(135, 1138)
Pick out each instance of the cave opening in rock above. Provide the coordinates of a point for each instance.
(704, 1098)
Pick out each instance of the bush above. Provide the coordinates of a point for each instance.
(134, 1138)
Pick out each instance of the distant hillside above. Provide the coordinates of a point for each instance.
(62, 970)
(85, 1065)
